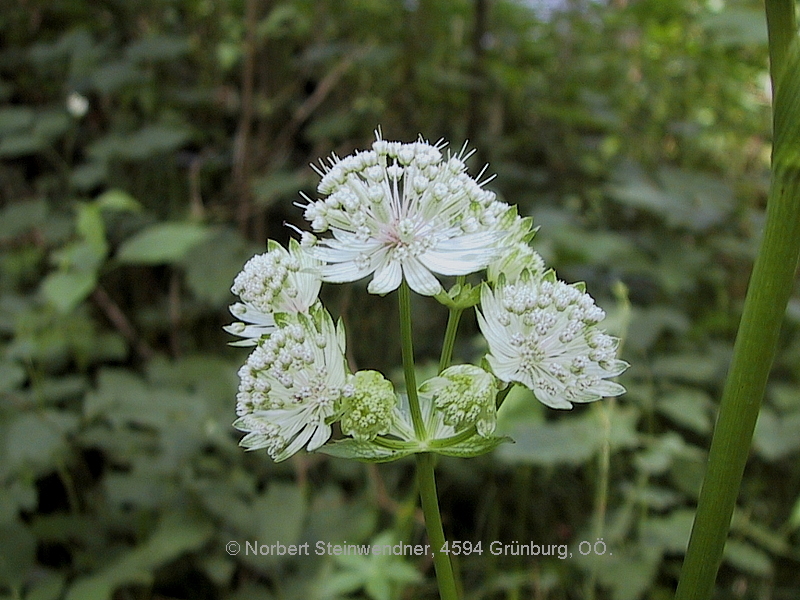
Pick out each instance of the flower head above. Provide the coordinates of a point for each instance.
(368, 406)
(291, 386)
(543, 334)
(465, 394)
(403, 211)
(279, 280)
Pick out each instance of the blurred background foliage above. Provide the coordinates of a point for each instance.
(149, 148)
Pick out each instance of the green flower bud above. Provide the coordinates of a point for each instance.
(465, 394)
(368, 403)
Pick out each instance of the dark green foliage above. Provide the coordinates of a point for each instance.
(637, 135)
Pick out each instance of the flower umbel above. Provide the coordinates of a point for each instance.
(368, 404)
(292, 385)
(403, 211)
(543, 334)
(465, 394)
(276, 281)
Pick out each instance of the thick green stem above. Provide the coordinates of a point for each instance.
(433, 523)
(767, 296)
(408, 361)
(425, 475)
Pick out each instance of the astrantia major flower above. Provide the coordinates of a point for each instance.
(544, 334)
(291, 386)
(465, 395)
(279, 280)
(403, 211)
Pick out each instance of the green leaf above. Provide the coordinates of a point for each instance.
(687, 407)
(157, 48)
(17, 553)
(630, 572)
(747, 558)
(21, 144)
(176, 535)
(88, 175)
(210, 280)
(66, 289)
(15, 118)
(776, 436)
(18, 217)
(38, 440)
(118, 200)
(569, 440)
(670, 533)
(365, 451)
(279, 185)
(12, 376)
(162, 243)
(737, 26)
(48, 587)
(51, 124)
(474, 446)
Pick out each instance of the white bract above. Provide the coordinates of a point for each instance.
(404, 211)
(543, 334)
(279, 280)
(291, 386)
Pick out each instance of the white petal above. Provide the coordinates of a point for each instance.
(321, 435)
(344, 272)
(420, 279)
(387, 278)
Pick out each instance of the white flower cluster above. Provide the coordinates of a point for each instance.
(274, 282)
(404, 211)
(292, 385)
(543, 334)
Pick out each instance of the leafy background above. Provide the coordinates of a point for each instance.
(637, 134)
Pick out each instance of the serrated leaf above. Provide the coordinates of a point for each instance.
(162, 243)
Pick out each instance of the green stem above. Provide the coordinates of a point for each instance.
(408, 361)
(765, 304)
(781, 29)
(425, 475)
(433, 523)
(450, 338)
(450, 334)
